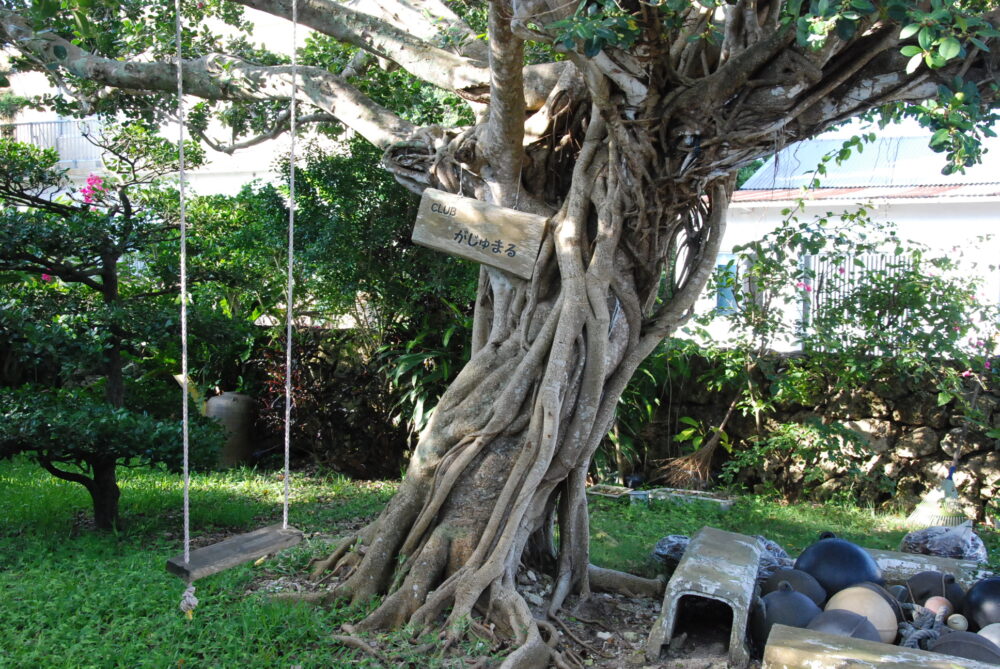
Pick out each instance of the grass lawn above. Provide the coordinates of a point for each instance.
(73, 598)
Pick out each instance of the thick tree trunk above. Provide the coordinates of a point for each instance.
(511, 440)
(104, 493)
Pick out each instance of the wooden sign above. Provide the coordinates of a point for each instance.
(481, 232)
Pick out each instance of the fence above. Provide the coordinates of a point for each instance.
(834, 282)
(67, 136)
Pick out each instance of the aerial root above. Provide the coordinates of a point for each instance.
(425, 572)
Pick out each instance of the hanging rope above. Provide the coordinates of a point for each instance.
(188, 600)
(289, 316)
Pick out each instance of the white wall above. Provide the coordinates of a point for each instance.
(951, 227)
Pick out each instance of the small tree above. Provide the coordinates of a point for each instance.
(77, 294)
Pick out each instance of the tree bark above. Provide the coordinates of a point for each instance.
(102, 486)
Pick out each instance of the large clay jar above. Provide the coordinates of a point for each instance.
(800, 581)
(968, 645)
(870, 604)
(784, 606)
(982, 603)
(991, 632)
(922, 586)
(838, 564)
(844, 623)
(235, 412)
(887, 596)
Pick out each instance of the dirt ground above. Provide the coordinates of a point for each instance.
(607, 631)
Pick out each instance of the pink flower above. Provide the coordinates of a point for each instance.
(966, 374)
(95, 182)
(988, 365)
(47, 278)
(803, 286)
(841, 270)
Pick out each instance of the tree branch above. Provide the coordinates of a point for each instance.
(505, 125)
(358, 27)
(281, 125)
(47, 465)
(394, 31)
(213, 77)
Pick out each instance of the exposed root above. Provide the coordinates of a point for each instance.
(692, 471)
(426, 571)
(609, 580)
(580, 642)
(311, 598)
(352, 641)
(320, 567)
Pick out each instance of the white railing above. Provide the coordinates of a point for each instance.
(67, 136)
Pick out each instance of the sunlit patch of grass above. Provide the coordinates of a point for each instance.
(623, 535)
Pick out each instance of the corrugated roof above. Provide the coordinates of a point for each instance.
(958, 191)
(889, 162)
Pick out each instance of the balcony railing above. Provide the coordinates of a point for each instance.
(68, 137)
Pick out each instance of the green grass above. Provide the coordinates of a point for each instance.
(75, 598)
(623, 534)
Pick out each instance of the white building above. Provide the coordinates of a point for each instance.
(897, 179)
(223, 174)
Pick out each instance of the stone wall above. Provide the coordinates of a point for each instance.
(907, 442)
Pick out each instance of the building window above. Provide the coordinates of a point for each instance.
(725, 280)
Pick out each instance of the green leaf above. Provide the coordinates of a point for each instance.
(925, 38)
(939, 137)
(863, 6)
(909, 31)
(684, 435)
(911, 50)
(846, 29)
(913, 64)
(944, 397)
(949, 48)
(687, 420)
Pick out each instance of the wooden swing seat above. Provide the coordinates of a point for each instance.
(234, 551)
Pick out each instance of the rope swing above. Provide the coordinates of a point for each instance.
(244, 547)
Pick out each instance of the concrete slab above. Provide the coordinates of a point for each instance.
(795, 648)
(898, 567)
(719, 566)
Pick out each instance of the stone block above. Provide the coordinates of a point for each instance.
(879, 434)
(970, 441)
(920, 408)
(919, 443)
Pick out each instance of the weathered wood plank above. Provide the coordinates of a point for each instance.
(795, 648)
(481, 232)
(234, 551)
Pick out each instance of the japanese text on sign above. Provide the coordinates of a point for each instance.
(463, 236)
